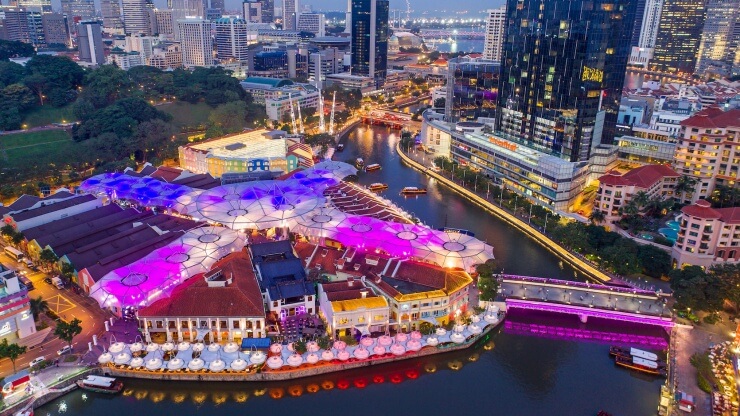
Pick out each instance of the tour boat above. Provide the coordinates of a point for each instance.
(412, 190)
(372, 167)
(359, 162)
(640, 364)
(377, 186)
(100, 384)
(630, 353)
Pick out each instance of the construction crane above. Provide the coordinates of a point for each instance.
(292, 113)
(331, 119)
(322, 123)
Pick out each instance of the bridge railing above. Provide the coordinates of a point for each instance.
(579, 285)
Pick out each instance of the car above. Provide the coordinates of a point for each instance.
(47, 280)
(37, 361)
(64, 350)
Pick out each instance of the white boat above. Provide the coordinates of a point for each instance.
(647, 355)
(371, 167)
(100, 384)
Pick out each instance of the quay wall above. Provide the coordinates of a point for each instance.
(585, 268)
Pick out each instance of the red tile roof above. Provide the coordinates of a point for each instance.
(730, 215)
(241, 298)
(713, 118)
(702, 209)
(643, 177)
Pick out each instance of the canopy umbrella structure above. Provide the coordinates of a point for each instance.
(122, 358)
(457, 250)
(105, 358)
(153, 364)
(196, 364)
(144, 191)
(136, 362)
(116, 347)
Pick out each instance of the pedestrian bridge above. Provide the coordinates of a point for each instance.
(586, 300)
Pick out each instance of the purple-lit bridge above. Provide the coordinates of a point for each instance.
(586, 300)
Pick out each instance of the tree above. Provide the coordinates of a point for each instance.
(641, 199)
(17, 238)
(572, 235)
(439, 102)
(725, 197)
(67, 331)
(107, 84)
(597, 216)
(11, 73)
(655, 262)
(48, 258)
(622, 257)
(38, 305)
(729, 276)
(694, 288)
(488, 284)
(11, 351)
(229, 117)
(13, 49)
(685, 184)
(7, 231)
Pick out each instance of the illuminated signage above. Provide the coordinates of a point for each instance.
(503, 143)
(592, 74)
(5, 329)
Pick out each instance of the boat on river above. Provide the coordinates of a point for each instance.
(100, 384)
(359, 162)
(630, 353)
(377, 186)
(640, 364)
(372, 167)
(412, 190)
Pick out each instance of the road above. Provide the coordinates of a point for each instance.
(68, 305)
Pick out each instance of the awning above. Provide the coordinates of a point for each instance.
(255, 342)
(363, 329)
(430, 320)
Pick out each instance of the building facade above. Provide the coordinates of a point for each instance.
(231, 39)
(252, 11)
(111, 12)
(563, 66)
(312, 22)
(719, 39)
(291, 11)
(195, 41)
(679, 35)
(472, 89)
(617, 190)
(707, 236)
(351, 306)
(164, 22)
(183, 9)
(370, 39)
(56, 29)
(16, 319)
(708, 150)
(650, 23)
(14, 24)
(495, 29)
(90, 42)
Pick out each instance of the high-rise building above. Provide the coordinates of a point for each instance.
(291, 10)
(495, 26)
(56, 30)
(84, 9)
(90, 42)
(217, 4)
(312, 22)
(43, 6)
(231, 39)
(111, 11)
(14, 24)
(36, 28)
(136, 17)
(164, 21)
(718, 45)
(472, 88)
(679, 33)
(370, 39)
(562, 70)
(182, 9)
(252, 11)
(648, 30)
(195, 41)
(268, 11)
(639, 14)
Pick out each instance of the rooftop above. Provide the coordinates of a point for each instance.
(247, 145)
(281, 273)
(642, 177)
(272, 82)
(50, 207)
(714, 118)
(241, 298)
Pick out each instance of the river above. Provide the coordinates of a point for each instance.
(511, 374)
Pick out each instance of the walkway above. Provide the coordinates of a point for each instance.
(578, 262)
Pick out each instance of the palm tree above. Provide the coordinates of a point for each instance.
(38, 305)
(685, 184)
(597, 216)
(641, 199)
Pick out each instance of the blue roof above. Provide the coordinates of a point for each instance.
(272, 82)
(282, 274)
(259, 251)
(255, 342)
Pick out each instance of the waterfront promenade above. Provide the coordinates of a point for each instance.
(577, 262)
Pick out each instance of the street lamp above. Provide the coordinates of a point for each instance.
(546, 214)
(516, 199)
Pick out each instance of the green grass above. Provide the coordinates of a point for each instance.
(186, 114)
(29, 150)
(42, 116)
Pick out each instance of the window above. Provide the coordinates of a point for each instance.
(235, 324)
(160, 325)
(203, 324)
(224, 324)
(171, 325)
(183, 324)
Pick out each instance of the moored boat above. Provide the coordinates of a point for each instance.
(359, 162)
(630, 353)
(640, 364)
(100, 384)
(372, 167)
(412, 190)
(377, 186)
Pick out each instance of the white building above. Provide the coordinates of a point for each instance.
(350, 305)
(650, 23)
(136, 17)
(195, 40)
(495, 29)
(125, 60)
(252, 11)
(312, 22)
(144, 45)
(231, 39)
(183, 9)
(324, 62)
(721, 35)
(16, 321)
(90, 43)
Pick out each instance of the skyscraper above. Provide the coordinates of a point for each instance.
(312, 22)
(182, 9)
(111, 11)
(43, 6)
(231, 39)
(218, 4)
(495, 25)
(472, 88)
(649, 23)
(679, 33)
(563, 65)
(90, 42)
(85, 9)
(291, 9)
(370, 39)
(56, 31)
(268, 11)
(136, 17)
(717, 46)
(164, 21)
(195, 41)
(14, 24)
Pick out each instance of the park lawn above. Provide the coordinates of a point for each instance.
(29, 150)
(43, 116)
(186, 115)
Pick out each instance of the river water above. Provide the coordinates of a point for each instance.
(508, 374)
